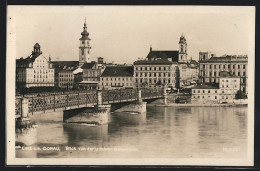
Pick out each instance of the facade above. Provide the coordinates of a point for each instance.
(35, 70)
(156, 73)
(84, 46)
(91, 75)
(224, 91)
(210, 68)
(187, 70)
(117, 77)
(64, 77)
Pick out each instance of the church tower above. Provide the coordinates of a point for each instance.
(183, 49)
(84, 47)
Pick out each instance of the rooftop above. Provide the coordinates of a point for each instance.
(227, 59)
(154, 62)
(206, 86)
(164, 54)
(88, 65)
(118, 71)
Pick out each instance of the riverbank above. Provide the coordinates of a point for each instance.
(197, 105)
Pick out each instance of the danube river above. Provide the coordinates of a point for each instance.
(161, 132)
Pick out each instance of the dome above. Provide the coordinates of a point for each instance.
(37, 45)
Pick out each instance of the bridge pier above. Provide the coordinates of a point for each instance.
(138, 107)
(24, 120)
(97, 115)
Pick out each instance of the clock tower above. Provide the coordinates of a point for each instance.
(84, 47)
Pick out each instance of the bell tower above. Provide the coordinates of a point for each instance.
(183, 49)
(84, 47)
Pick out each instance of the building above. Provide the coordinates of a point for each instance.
(187, 70)
(84, 47)
(91, 75)
(117, 77)
(224, 91)
(210, 68)
(64, 76)
(156, 73)
(35, 70)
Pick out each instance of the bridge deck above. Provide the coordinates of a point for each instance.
(54, 102)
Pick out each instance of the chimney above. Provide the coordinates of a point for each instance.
(151, 48)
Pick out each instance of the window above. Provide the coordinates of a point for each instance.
(194, 91)
(136, 74)
(228, 66)
(203, 91)
(224, 66)
(219, 66)
(82, 51)
(238, 66)
(215, 97)
(226, 97)
(208, 91)
(83, 42)
(234, 66)
(238, 73)
(209, 66)
(145, 68)
(244, 73)
(244, 66)
(198, 91)
(214, 66)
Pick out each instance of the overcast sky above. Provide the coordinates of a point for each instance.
(124, 33)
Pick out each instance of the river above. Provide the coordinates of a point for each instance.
(161, 132)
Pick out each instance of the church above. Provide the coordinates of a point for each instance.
(181, 71)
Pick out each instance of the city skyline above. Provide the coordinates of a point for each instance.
(125, 34)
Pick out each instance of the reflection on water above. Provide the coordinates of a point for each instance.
(160, 132)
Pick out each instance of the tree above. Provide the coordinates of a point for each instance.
(240, 95)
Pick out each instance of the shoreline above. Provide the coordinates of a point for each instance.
(197, 105)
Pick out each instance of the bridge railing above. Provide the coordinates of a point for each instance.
(112, 96)
(53, 101)
(151, 93)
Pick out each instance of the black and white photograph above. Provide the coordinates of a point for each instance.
(130, 85)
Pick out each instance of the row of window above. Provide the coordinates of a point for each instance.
(218, 73)
(153, 81)
(152, 68)
(117, 84)
(66, 79)
(116, 78)
(65, 84)
(154, 74)
(225, 66)
(216, 97)
(203, 91)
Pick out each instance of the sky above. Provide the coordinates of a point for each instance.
(125, 33)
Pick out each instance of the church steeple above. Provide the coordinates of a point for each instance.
(182, 49)
(84, 48)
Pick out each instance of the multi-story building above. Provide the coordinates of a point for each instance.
(154, 73)
(64, 76)
(35, 70)
(224, 91)
(210, 68)
(117, 77)
(188, 72)
(91, 75)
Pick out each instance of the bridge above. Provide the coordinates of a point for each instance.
(54, 102)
